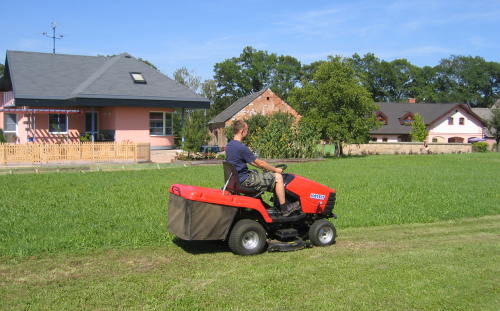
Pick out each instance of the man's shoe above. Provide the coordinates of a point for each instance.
(295, 206)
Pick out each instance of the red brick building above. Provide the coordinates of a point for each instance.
(264, 102)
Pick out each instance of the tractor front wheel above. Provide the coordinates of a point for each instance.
(322, 233)
(247, 238)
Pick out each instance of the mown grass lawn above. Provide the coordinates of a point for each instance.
(413, 234)
(450, 265)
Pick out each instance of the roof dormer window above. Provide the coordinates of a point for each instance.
(381, 117)
(137, 77)
(407, 119)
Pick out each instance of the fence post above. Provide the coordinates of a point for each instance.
(135, 152)
(42, 154)
(4, 160)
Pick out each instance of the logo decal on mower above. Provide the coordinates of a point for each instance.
(318, 196)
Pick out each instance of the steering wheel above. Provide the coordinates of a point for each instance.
(282, 166)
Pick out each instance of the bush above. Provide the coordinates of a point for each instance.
(495, 147)
(480, 147)
(221, 156)
(283, 138)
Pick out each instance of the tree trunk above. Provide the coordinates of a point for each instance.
(340, 148)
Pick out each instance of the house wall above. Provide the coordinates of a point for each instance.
(128, 123)
(442, 131)
(266, 104)
(27, 125)
(381, 137)
(132, 123)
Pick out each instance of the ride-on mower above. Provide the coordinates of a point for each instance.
(240, 215)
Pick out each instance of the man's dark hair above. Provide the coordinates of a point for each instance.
(238, 126)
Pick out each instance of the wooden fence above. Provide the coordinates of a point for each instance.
(26, 154)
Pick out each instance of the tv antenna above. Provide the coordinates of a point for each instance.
(53, 27)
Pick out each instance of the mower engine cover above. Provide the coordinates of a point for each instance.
(315, 198)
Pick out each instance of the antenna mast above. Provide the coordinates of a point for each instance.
(53, 27)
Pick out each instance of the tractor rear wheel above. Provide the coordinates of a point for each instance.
(247, 238)
(322, 233)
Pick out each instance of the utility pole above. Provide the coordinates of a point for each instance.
(53, 27)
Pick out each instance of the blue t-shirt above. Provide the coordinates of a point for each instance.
(239, 155)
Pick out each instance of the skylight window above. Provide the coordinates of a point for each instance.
(137, 77)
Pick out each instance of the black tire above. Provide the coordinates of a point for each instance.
(247, 238)
(322, 233)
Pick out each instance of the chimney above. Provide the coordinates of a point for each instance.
(411, 100)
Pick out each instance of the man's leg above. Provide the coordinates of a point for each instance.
(279, 188)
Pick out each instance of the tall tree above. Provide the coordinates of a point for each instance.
(468, 79)
(369, 71)
(493, 124)
(208, 88)
(419, 129)
(423, 87)
(337, 104)
(253, 71)
(308, 71)
(398, 77)
(189, 80)
(195, 131)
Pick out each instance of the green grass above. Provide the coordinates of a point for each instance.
(450, 265)
(76, 212)
(415, 233)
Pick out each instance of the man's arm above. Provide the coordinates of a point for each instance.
(263, 165)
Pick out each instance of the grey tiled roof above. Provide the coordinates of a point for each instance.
(485, 114)
(394, 111)
(64, 77)
(236, 107)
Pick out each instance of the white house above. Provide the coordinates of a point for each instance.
(449, 122)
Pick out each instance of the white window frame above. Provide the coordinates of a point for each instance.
(5, 125)
(64, 116)
(166, 131)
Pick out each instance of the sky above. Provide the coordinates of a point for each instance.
(199, 34)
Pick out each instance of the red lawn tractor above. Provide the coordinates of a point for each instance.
(240, 215)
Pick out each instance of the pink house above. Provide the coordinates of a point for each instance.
(449, 122)
(52, 97)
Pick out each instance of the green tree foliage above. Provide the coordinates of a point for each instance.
(148, 63)
(399, 75)
(480, 147)
(336, 104)
(423, 86)
(2, 68)
(279, 136)
(189, 80)
(493, 124)
(3, 139)
(192, 82)
(195, 131)
(369, 71)
(463, 79)
(308, 71)
(208, 88)
(253, 71)
(468, 79)
(419, 130)
(257, 121)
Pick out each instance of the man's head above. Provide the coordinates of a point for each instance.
(240, 128)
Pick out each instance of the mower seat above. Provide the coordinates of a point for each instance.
(233, 184)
